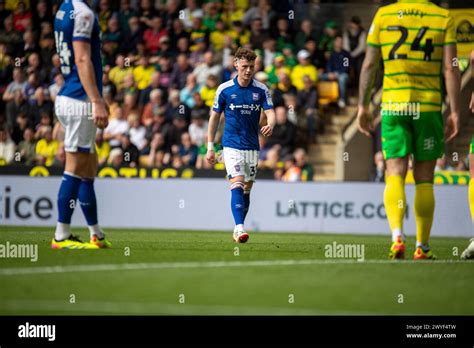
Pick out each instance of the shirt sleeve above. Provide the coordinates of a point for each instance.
(450, 35)
(83, 24)
(267, 99)
(219, 101)
(374, 31)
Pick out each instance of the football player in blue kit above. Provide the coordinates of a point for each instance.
(80, 109)
(242, 100)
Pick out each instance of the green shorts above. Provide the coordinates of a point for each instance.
(471, 149)
(421, 136)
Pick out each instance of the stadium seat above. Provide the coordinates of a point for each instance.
(328, 92)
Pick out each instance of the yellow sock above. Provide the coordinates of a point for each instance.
(395, 203)
(424, 211)
(471, 197)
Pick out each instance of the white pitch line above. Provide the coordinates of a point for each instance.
(210, 264)
(135, 308)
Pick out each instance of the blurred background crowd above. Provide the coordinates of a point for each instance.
(162, 64)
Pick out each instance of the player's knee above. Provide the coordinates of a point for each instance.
(397, 166)
(237, 185)
(423, 177)
(248, 187)
(79, 164)
(424, 171)
(93, 166)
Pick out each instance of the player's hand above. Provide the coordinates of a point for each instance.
(452, 127)
(211, 157)
(100, 114)
(267, 130)
(365, 121)
(471, 105)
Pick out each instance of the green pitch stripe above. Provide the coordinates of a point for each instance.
(417, 28)
(410, 43)
(407, 14)
(413, 88)
(407, 73)
(417, 60)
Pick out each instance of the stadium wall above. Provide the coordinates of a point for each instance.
(202, 204)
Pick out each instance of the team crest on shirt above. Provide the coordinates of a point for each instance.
(255, 96)
(237, 167)
(233, 96)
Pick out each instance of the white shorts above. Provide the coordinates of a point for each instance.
(241, 163)
(79, 128)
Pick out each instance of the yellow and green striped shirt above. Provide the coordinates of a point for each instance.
(411, 35)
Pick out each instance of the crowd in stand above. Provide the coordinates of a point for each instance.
(162, 66)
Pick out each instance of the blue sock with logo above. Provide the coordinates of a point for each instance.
(237, 203)
(87, 201)
(67, 197)
(246, 203)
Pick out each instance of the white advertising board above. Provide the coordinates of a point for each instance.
(204, 204)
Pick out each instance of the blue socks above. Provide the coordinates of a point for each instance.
(75, 188)
(88, 201)
(67, 196)
(237, 202)
(246, 203)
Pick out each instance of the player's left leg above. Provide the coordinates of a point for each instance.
(235, 165)
(428, 147)
(423, 172)
(468, 253)
(238, 208)
(88, 202)
(394, 199)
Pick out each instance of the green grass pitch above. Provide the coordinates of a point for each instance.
(199, 273)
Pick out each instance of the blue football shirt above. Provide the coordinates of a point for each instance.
(75, 20)
(242, 107)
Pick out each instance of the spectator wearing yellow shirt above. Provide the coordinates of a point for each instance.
(276, 68)
(142, 73)
(46, 147)
(303, 68)
(233, 13)
(217, 37)
(117, 73)
(208, 91)
(105, 13)
(11, 5)
(240, 36)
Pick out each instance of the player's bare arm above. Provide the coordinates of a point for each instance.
(85, 68)
(367, 77)
(267, 130)
(211, 134)
(453, 86)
